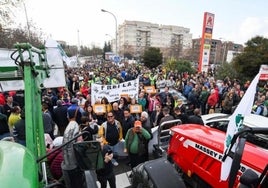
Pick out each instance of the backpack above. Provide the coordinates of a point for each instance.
(264, 110)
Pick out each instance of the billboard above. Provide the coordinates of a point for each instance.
(205, 42)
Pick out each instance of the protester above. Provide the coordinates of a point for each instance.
(128, 121)
(9, 104)
(106, 174)
(152, 102)
(48, 122)
(13, 118)
(55, 159)
(108, 106)
(167, 117)
(118, 112)
(111, 133)
(203, 97)
(60, 117)
(146, 124)
(92, 128)
(19, 133)
(4, 129)
(135, 144)
(92, 116)
(179, 115)
(156, 115)
(212, 100)
(227, 103)
(196, 117)
(73, 175)
(123, 103)
(75, 108)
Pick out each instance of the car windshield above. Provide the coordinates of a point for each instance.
(220, 122)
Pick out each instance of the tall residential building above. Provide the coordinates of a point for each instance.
(220, 51)
(134, 37)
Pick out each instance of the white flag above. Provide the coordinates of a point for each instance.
(243, 108)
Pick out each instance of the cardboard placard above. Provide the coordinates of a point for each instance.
(149, 89)
(99, 108)
(136, 108)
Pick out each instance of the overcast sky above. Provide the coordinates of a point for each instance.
(235, 20)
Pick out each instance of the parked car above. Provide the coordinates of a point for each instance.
(220, 121)
(179, 95)
(174, 93)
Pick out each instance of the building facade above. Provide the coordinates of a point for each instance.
(220, 51)
(134, 37)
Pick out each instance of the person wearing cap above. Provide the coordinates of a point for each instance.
(135, 144)
(72, 174)
(75, 111)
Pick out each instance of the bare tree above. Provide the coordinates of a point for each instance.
(7, 11)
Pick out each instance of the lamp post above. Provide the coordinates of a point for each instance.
(27, 21)
(115, 28)
(109, 35)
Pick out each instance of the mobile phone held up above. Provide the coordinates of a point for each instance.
(110, 152)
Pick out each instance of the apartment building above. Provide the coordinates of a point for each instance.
(134, 37)
(220, 51)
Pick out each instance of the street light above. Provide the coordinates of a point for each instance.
(27, 20)
(109, 36)
(115, 28)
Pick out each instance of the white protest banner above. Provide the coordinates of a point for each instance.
(114, 92)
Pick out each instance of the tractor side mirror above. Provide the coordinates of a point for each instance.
(249, 179)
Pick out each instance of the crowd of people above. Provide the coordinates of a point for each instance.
(70, 110)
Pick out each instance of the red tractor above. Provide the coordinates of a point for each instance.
(198, 151)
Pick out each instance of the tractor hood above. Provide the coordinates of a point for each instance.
(17, 166)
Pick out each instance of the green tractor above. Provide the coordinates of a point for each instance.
(18, 166)
(25, 167)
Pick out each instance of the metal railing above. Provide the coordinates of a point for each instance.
(163, 135)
